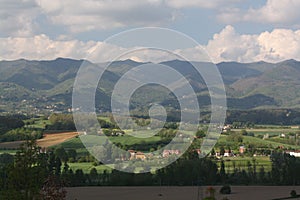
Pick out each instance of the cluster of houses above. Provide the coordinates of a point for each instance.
(230, 153)
(135, 155)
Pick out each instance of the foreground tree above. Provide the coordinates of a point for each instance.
(28, 174)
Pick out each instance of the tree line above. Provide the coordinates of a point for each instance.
(35, 174)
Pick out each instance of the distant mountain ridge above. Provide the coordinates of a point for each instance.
(47, 85)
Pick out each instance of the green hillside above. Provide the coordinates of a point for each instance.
(49, 84)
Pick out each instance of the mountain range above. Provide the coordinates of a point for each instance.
(41, 86)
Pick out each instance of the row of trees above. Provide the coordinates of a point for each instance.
(32, 174)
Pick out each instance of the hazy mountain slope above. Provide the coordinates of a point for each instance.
(249, 85)
(281, 83)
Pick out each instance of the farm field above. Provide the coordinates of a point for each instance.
(47, 141)
(257, 141)
(124, 140)
(275, 130)
(55, 138)
(242, 163)
(87, 166)
(178, 193)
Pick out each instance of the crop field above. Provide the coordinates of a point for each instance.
(242, 163)
(47, 141)
(10, 145)
(55, 138)
(270, 130)
(124, 140)
(254, 140)
(87, 166)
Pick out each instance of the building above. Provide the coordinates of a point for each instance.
(167, 153)
(295, 153)
(136, 155)
(226, 128)
(242, 149)
(140, 155)
(227, 153)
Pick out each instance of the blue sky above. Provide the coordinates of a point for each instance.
(230, 30)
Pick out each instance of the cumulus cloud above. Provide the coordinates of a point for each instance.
(41, 47)
(200, 3)
(284, 12)
(21, 17)
(228, 45)
(17, 17)
(278, 45)
(81, 16)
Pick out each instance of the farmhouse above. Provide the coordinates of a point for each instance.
(226, 128)
(242, 149)
(295, 153)
(167, 153)
(227, 153)
(136, 155)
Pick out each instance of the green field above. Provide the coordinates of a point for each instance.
(275, 130)
(242, 163)
(223, 141)
(87, 166)
(38, 123)
(9, 151)
(124, 140)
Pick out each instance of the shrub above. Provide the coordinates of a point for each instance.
(293, 193)
(226, 189)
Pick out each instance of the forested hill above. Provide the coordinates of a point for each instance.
(47, 85)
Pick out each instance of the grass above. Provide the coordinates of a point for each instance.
(269, 130)
(266, 143)
(223, 141)
(129, 140)
(87, 166)
(242, 163)
(9, 151)
(38, 123)
(76, 142)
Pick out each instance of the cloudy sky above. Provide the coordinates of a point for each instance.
(229, 30)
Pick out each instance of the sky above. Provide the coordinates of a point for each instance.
(228, 30)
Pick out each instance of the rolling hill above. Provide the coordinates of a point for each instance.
(47, 85)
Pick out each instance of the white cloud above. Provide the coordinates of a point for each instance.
(200, 3)
(228, 45)
(283, 12)
(41, 47)
(17, 17)
(278, 45)
(81, 16)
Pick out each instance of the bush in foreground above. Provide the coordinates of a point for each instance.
(293, 193)
(226, 189)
